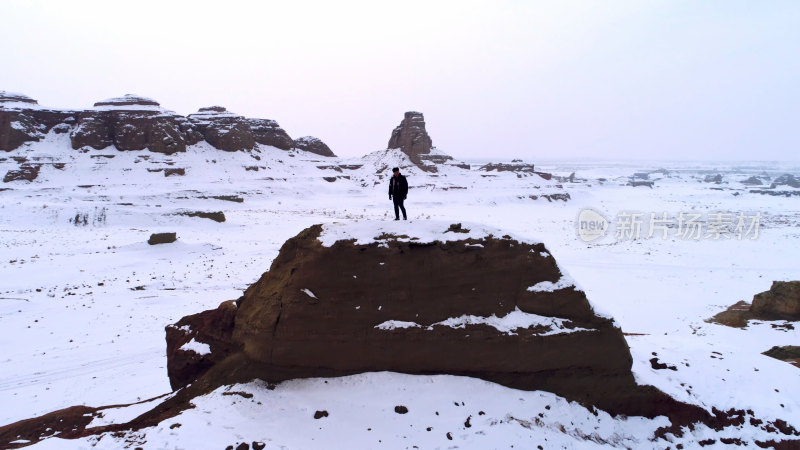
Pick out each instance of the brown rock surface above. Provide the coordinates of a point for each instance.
(411, 137)
(268, 132)
(223, 129)
(780, 302)
(92, 131)
(788, 353)
(27, 172)
(23, 120)
(313, 145)
(213, 328)
(162, 238)
(132, 123)
(65, 423)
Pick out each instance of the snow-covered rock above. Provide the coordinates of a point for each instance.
(367, 296)
(313, 145)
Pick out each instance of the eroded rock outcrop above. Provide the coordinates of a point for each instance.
(26, 172)
(268, 132)
(515, 166)
(780, 302)
(223, 129)
(23, 120)
(518, 167)
(786, 180)
(133, 123)
(788, 353)
(313, 145)
(411, 138)
(345, 299)
(753, 181)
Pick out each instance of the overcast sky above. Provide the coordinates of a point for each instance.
(496, 79)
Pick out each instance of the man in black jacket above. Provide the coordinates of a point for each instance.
(398, 190)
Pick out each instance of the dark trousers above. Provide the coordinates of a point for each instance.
(398, 204)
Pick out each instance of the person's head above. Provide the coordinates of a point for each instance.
(396, 171)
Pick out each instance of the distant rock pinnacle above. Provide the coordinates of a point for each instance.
(411, 137)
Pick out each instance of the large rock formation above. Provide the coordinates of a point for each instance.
(313, 145)
(411, 138)
(780, 302)
(268, 132)
(344, 299)
(223, 129)
(133, 123)
(23, 120)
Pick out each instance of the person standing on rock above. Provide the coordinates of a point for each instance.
(398, 190)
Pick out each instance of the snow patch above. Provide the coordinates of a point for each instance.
(395, 324)
(548, 286)
(507, 324)
(198, 347)
(512, 321)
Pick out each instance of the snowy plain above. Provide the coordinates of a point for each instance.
(84, 299)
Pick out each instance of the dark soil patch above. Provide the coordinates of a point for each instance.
(660, 366)
(227, 198)
(240, 394)
(215, 216)
(456, 228)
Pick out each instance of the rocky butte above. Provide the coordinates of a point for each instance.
(412, 139)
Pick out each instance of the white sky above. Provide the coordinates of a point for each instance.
(495, 79)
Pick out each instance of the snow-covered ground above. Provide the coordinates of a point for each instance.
(84, 299)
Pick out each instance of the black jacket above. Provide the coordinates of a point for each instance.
(398, 187)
